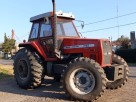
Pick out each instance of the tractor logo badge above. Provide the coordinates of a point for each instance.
(79, 46)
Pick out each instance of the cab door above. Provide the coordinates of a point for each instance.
(46, 39)
(34, 32)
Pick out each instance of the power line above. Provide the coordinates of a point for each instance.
(109, 19)
(25, 36)
(110, 27)
(18, 39)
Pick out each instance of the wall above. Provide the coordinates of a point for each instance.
(1, 54)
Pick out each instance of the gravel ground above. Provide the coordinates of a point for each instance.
(51, 91)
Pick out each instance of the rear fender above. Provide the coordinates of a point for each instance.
(38, 48)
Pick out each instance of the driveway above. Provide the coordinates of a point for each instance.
(52, 91)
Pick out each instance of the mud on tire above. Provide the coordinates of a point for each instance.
(28, 69)
(119, 83)
(84, 80)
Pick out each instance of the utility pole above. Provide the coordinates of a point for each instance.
(118, 17)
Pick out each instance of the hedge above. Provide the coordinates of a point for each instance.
(129, 54)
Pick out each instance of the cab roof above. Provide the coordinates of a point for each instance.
(49, 14)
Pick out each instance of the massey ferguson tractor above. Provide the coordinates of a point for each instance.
(86, 66)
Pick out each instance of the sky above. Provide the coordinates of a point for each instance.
(15, 14)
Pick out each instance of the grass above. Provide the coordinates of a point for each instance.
(6, 71)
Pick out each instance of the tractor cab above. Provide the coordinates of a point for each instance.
(43, 26)
(44, 23)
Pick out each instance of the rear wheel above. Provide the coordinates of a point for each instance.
(120, 82)
(84, 80)
(28, 69)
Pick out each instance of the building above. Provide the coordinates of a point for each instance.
(1, 53)
(133, 40)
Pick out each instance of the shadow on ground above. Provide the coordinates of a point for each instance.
(49, 89)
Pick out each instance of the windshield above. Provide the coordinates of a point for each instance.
(66, 28)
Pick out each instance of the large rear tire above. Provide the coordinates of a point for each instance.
(119, 83)
(28, 69)
(84, 80)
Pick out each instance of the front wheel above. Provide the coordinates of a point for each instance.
(84, 80)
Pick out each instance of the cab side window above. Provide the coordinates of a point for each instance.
(46, 30)
(34, 32)
(59, 29)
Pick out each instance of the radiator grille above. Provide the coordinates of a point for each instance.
(107, 52)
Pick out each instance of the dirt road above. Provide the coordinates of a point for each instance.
(51, 91)
(6, 62)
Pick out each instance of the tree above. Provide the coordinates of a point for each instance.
(5, 37)
(124, 42)
(8, 44)
(0, 46)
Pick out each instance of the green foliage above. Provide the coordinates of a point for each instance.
(124, 41)
(8, 44)
(0, 45)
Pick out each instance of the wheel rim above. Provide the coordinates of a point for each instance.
(22, 69)
(82, 81)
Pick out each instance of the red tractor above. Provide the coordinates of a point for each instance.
(86, 66)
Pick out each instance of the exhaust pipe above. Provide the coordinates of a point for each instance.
(55, 43)
(54, 27)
